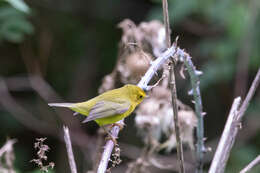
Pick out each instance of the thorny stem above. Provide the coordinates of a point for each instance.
(173, 89)
(194, 77)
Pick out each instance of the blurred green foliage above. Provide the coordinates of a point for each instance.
(14, 23)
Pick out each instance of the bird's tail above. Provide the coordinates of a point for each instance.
(67, 105)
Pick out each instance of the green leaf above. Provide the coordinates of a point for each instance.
(15, 28)
(13, 24)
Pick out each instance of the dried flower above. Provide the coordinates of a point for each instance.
(139, 44)
(41, 155)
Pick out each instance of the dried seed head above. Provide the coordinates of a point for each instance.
(41, 155)
(187, 122)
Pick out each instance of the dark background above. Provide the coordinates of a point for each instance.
(71, 45)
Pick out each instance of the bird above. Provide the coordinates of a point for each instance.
(109, 107)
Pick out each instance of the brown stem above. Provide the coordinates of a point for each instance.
(173, 89)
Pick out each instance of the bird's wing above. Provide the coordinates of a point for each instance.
(107, 108)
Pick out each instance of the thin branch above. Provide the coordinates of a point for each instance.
(230, 132)
(173, 89)
(249, 96)
(224, 146)
(108, 150)
(155, 65)
(67, 140)
(175, 118)
(166, 22)
(252, 164)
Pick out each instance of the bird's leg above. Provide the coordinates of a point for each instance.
(110, 136)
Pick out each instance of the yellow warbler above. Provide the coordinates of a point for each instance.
(109, 107)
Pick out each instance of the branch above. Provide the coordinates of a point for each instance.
(108, 150)
(224, 146)
(67, 140)
(173, 89)
(252, 164)
(231, 129)
(249, 96)
(194, 77)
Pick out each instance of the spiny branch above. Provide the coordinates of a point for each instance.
(194, 77)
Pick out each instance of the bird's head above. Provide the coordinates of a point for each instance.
(136, 93)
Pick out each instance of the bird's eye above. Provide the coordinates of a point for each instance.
(140, 96)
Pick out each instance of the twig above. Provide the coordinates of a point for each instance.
(194, 77)
(108, 150)
(155, 65)
(230, 131)
(166, 22)
(173, 89)
(67, 140)
(249, 96)
(252, 164)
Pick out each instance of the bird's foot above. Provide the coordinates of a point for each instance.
(110, 136)
(120, 125)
